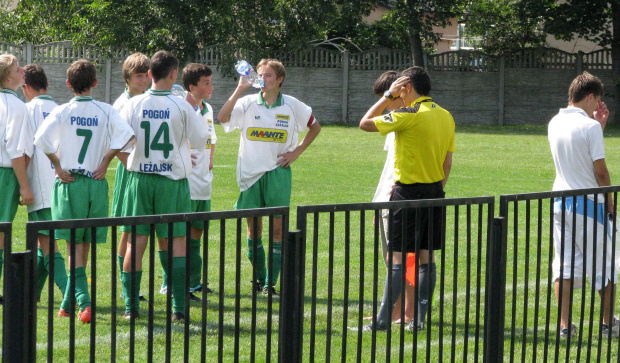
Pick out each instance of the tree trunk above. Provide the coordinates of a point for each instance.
(415, 44)
(615, 58)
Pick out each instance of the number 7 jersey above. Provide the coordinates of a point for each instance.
(81, 132)
(163, 124)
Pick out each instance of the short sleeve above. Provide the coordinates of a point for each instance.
(387, 123)
(595, 141)
(16, 142)
(121, 132)
(303, 113)
(47, 136)
(237, 115)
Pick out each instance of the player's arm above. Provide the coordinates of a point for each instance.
(64, 176)
(288, 158)
(211, 157)
(602, 178)
(447, 165)
(224, 115)
(100, 172)
(19, 167)
(123, 156)
(367, 123)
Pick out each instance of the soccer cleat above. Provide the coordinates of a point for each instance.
(412, 326)
(370, 327)
(142, 298)
(208, 290)
(612, 332)
(270, 291)
(178, 317)
(196, 288)
(193, 297)
(566, 333)
(84, 316)
(63, 314)
(129, 314)
(163, 290)
(256, 286)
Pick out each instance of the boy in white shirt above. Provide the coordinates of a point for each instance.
(81, 138)
(41, 176)
(13, 145)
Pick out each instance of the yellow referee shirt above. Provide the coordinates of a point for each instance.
(424, 134)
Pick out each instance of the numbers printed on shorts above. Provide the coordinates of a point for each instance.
(87, 134)
(156, 143)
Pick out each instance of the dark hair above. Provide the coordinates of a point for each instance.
(162, 63)
(276, 65)
(35, 77)
(135, 63)
(384, 82)
(420, 80)
(583, 85)
(82, 75)
(192, 73)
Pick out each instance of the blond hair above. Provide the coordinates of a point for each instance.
(7, 62)
(135, 63)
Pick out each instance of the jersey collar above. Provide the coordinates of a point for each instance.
(10, 91)
(205, 108)
(573, 109)
(158, 92)
(126, 92)
(44, 97)
(279, 101)
(422, 99)
(82, 98)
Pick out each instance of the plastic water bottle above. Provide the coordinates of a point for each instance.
(247, 72)
(179, 91)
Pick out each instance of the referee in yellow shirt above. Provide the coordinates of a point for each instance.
(424, 145)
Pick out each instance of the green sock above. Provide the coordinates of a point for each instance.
(196, 263)
(276, 264)
(81, 288)
(1, 262)
(60, 271)
(178, 284)
(261, 270)
(119, 261)
(163, 258)
(126, 279)
(41, 271)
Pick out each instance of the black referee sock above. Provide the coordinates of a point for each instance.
(427, 280)
(385, 312)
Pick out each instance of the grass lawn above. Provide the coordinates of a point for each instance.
(342, 166)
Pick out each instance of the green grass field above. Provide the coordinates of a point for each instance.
(343, 166)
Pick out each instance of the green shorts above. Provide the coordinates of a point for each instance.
(200, 206)
(9, 194)
(83, 198)
(39, 215)
(273, 189)
(120, 184)
(148, 194)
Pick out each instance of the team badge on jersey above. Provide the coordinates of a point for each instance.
(267, 135)
(388, 118)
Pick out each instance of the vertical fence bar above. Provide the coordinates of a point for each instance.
(291, 306)
(495, 294)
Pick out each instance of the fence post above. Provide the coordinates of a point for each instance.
(495, 299)
(108, 80)
(345, 87)
(19, 320)
(502, 86)
(29, 53)
(291, 300)
(579, 62)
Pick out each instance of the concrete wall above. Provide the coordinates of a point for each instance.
(512, 96)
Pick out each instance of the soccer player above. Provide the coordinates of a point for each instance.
(576, 141)
(270, 123)
(424, 134)
(81, 138)
(137, 80)
(160, 164)
(41, 176)
(13, 118)
(198, 80)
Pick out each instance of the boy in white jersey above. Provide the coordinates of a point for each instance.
(13, 145)
(159, 165)
(197, 79)
(81, 138)
(270, 123)
(41, 175)
(137, 80)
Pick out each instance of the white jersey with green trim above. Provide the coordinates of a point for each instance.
(266, 132)
(164, 125)
(13, 120)
(121, 100)
(201, 178)
(40, 171)
(81, 132)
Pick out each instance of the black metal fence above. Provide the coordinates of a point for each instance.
(493, 301)
(532, 325)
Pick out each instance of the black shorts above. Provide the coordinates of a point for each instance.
(429, 233)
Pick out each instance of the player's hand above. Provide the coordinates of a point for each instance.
(190, 98)
(194, 158)
(601, 113)
(100, 172)
(64, 176)
(26, 195)
(211, 165)
(285, 160)
(243, 84)
(398, 86)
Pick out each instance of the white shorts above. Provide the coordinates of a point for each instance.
(584, 247)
